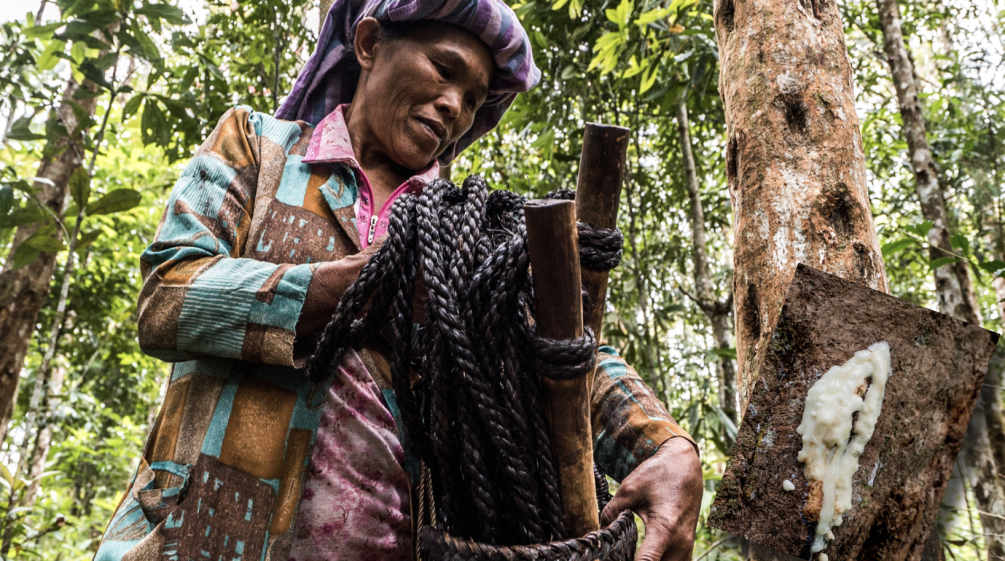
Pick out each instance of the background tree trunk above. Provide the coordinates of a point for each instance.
(24, 290)
(40, 453)
(794, 163)
(953, 286)
(716, 311)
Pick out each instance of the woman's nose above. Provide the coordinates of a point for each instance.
(449, 103)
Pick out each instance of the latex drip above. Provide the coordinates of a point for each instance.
(834, 438)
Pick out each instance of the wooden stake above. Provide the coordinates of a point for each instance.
(598, 191)
(554, 256)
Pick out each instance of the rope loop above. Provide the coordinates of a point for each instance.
(566, 359)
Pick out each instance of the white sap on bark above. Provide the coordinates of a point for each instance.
(833, 438)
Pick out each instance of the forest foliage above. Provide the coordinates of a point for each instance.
(161, 72)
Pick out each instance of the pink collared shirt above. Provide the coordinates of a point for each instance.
(355, 503)
(330, 143)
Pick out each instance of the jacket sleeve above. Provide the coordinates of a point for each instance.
(629, 422)
(200, 298)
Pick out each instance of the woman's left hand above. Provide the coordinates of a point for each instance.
(665, 491)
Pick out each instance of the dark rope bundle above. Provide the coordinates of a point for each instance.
(473, 417)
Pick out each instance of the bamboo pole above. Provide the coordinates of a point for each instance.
(598, 191)
(554, 256)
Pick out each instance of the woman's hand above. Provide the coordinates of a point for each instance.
(665, 491)
(329, 283)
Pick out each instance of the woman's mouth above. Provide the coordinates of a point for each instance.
(433, 128)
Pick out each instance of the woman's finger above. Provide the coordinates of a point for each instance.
(655, 543)
(613, 509)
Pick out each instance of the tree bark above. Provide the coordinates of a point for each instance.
(953, 285)
(40, 453)
(716, 311)
(794, 163)
(23, 291)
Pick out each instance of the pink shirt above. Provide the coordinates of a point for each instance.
(330, 143)
(355, 501)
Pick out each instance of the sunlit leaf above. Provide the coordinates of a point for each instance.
(116, 201)
(80, 186)
(942, 261)
(897, 246)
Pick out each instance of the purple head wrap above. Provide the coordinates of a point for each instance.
(326, 81)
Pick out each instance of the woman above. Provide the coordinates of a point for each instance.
(269, 224)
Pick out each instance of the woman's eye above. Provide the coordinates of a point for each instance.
(444, 72)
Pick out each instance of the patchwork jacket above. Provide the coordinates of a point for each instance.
(245, 226)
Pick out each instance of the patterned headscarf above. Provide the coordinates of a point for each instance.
(328, 79)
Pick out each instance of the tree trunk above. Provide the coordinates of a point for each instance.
(717, 312)
(323, 12)
(40, 454)
(794, 162)
(23, 291)
(952, 281)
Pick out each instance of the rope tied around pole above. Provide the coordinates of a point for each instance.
(473, 415)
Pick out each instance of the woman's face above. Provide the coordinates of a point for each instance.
(419, 93)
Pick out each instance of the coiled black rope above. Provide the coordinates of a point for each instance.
(473, 416)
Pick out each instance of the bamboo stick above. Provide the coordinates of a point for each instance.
(598, 191)
(554, 256)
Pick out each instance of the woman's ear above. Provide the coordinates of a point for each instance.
(365, 42)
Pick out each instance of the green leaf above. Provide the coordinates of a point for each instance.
(170, 14)
(80, 186)
(25, 255)
(21, 130)
(993, 267)
(652, 16)
(95, 75)
(132, 106)
(724, 352)
(649, 78)
(106, 61)
(87, 238)
(942, 261)
(6, 199)
(7, 476)
(21, 216)
(116, 201)
(48, 59)
(895, 247)
(42, 31)
(153, 125)
(922, 229)
(960, 243)
(149, 48)
(43, 241)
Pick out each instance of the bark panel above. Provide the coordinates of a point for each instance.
(939, 364)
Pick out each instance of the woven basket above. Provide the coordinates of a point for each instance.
(613, 543)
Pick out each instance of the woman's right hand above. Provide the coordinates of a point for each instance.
(329, 283)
